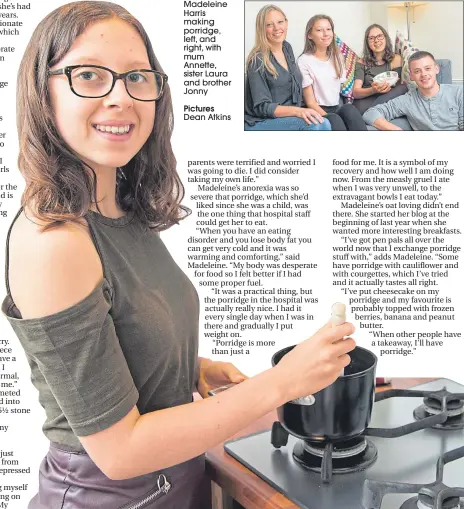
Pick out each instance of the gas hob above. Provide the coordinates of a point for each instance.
(403, 475)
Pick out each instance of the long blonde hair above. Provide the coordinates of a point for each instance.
(262, 46)
(333, 52)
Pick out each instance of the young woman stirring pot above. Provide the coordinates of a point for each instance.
(108, 321)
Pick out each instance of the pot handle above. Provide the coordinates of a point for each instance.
(338, 317)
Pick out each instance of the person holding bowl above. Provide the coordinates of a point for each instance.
(378, 58)
(273, 82)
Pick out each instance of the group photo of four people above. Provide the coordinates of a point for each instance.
(284, 93)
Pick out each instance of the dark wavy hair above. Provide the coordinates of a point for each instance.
(368, 55)
(59, 186)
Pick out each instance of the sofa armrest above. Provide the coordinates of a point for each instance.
(445, 75)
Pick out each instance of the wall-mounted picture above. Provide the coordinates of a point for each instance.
(354, 66)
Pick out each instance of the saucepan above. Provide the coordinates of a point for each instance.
(339, 412)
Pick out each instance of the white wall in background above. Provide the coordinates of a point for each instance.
(350, 18)
(436, 27)
(379, 14)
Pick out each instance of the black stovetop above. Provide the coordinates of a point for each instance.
(408, 459)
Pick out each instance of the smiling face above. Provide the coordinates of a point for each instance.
(88, 125)
(321, 34)
(276, 27)
(376, 40)
(424, 72)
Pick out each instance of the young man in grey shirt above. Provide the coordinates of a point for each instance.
(430, 107)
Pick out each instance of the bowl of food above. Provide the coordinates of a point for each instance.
(390, 77)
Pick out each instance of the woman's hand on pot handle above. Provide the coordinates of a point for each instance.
(214, 374)
(316, 363)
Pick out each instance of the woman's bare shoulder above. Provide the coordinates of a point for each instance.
(51, 270)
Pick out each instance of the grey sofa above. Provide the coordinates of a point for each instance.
(443, 77)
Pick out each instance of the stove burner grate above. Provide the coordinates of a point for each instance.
(435, 495)
(328, 458)
(454, 406)
(340, 450)
(440, 410)
(416, 503)
(446, 403)
(452, 422)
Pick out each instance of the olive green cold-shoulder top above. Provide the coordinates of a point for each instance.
(133, 340)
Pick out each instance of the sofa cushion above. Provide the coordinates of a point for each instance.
(405, 48)
(445, 76)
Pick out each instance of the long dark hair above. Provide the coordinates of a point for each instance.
(368, 55)
(59, 186)
(333, 51)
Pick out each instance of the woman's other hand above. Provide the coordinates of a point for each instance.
(214, 374)
(381, 88)
(317, 362)
(309, 115)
